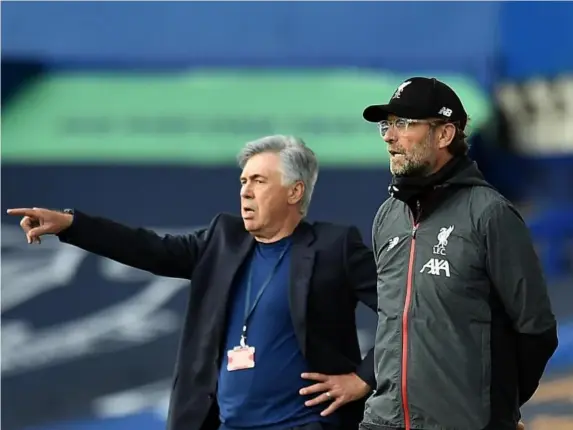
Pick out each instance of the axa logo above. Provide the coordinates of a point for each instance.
(443, 235)
(435, 266)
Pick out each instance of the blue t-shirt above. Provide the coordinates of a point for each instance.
(268, 394)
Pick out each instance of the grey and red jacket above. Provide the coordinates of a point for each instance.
(465, 324)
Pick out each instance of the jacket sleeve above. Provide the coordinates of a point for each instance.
(361, 272)
(170, 256)
(516, 274)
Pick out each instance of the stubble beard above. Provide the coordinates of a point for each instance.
(417, 163)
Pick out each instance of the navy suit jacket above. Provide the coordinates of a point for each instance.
(331, 270)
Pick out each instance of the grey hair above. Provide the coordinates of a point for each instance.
(298, 162)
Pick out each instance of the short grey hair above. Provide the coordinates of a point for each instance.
(298, 162)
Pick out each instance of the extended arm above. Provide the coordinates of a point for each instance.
(171, 256)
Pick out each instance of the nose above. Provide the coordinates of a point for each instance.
(246, 192)
(390, 136)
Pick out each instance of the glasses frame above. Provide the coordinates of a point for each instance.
(406, 124)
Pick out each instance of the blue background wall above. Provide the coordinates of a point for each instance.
(256, 33)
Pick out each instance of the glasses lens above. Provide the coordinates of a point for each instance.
(401, 123)
(383, 127)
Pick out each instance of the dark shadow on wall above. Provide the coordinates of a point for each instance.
(16, 74)
(492, 147)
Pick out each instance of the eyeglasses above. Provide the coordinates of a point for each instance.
(401, 124)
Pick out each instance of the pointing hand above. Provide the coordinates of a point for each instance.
(37, 222)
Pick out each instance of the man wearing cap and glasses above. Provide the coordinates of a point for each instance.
(465, 323)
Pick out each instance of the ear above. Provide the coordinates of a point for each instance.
(446, 135)
(295, 193)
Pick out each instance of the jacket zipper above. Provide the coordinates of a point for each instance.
(405, 314)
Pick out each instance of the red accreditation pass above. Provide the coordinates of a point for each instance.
(240, 358)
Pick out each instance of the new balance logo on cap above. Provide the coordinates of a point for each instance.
(445, 111)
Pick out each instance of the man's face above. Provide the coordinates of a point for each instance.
(264, 199)
(413, 149)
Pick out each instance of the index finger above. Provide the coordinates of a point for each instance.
(315, 376)
(21, 212)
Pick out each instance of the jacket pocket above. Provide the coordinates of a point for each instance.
(446, 373)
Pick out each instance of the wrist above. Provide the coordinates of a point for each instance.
(363, 384)
(69, 216)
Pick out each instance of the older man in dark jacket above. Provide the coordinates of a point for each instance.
(270, 339)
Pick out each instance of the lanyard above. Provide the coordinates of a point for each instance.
(249, 312)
